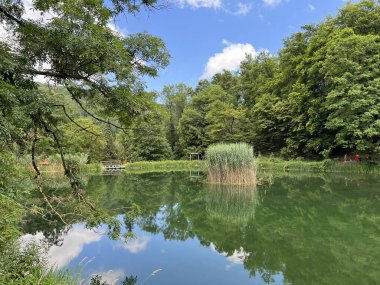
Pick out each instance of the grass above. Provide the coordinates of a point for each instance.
(165, 165)
(231, 164)
(26, 265)
(264, 163)
(273, 163)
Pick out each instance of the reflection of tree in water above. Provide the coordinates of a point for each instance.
(231, 203)
(314, 229)
(97, 280)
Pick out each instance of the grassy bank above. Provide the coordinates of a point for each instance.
(166, 165)
(52, 168)
(265, 163)
(271, 163)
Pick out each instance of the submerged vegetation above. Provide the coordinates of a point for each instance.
(231, 164)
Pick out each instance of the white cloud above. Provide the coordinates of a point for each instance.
(201, 3)
(243, 9)
(72, 245)
(135, 245)
(238, 256)
(311, 7)
(111, 276)
(229, 59)
(272, 2)
(32, 14)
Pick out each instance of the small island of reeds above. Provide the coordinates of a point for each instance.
(231, 164)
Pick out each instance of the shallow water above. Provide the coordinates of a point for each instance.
(299, 229)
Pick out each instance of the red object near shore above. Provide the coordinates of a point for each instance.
(357, 158)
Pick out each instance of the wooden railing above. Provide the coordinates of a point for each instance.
(112, 164)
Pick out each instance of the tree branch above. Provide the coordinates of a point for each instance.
(49, 204)
(95, 117)
(10, 16)
(74, 122)
(35, 138)
(60, 75)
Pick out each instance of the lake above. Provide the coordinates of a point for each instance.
(299, 228)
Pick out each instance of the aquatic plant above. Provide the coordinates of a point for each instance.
(231, 164)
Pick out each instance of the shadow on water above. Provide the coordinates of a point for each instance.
(311, 228)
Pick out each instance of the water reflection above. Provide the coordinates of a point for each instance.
(231, 203)
(72, 244)
(134, 245)
(303, 229)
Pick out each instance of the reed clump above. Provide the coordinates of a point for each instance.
(231, 164)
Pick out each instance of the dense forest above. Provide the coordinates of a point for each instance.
(320, 97)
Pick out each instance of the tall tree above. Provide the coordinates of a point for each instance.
(74, 46)
(175, 99)
(146, 139)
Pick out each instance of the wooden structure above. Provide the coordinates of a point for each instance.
(197, 156)
(109, 165)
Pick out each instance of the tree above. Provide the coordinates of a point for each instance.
(103, 72)
(175, 100)
(228, 82)
(352, 68)
(88, 139)
(213, 115)
(146, 139)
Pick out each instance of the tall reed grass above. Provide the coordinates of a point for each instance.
(231, 164)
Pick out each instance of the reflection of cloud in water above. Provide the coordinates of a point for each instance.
(110, 276)
(135, 245)
(237, 257)
(72, 246)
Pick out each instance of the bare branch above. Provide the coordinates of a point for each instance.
(39, 186)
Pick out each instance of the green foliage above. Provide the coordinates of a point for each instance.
(212, 116)
(318, 98)
(98, 76)
(88, 138)
(352, 65)
(104, 73)
(146, 140)
(175, 100)
(27, 265)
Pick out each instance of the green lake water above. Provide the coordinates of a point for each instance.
(298, 229)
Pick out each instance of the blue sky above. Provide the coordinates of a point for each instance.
(205, 36)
